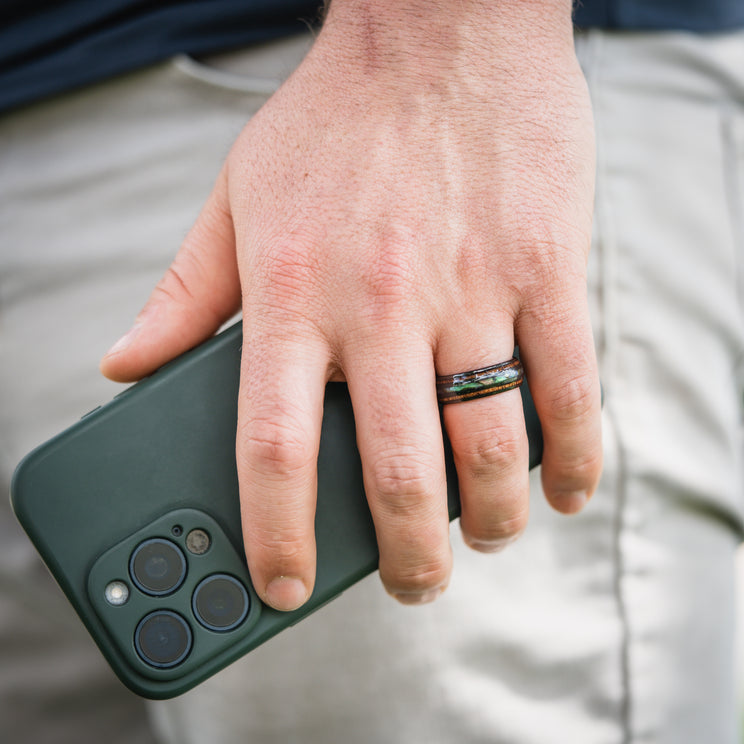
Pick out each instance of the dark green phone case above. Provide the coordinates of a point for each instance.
(158, 462)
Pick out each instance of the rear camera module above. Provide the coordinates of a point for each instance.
(163, 639)
(220, 603)
(157, 567)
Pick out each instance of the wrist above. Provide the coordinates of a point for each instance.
(418, 36)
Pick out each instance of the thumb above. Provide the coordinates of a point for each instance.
(199, 292)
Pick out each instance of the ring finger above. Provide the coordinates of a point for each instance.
(489, 441)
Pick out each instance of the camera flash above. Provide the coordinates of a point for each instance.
(116, 593)
(198, 542)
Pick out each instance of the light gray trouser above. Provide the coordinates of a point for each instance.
(616, 625)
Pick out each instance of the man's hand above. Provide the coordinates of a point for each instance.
(416, 198)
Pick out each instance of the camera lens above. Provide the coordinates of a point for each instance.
(220, 602)
(163, 639)
(157, 566)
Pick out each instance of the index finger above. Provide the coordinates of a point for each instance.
(279, 417)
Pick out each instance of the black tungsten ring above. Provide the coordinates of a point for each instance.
(479, 383)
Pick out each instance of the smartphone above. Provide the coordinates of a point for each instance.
(134, 509)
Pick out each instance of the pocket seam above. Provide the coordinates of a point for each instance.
(732, 135)
(224, 79)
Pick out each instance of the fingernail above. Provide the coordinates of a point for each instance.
(571, 501)
(490, 546)
(286, 593)
(418, 598)
(125, 340)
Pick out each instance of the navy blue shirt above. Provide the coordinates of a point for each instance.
(50, 46)
(679, 15)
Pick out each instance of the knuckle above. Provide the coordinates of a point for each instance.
(552, 279)
(541, 232)
(174, 285)
(391, 279)
(573, 401)
(183, 284)
(418, 579)
(579, 471)
(287, 278)
(502, 530)
(489, 453)
(403, 482)
(290, 270)
(273, 444)
(280, 548)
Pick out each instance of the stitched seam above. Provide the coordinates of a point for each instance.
(620, 492)
(732, 138)
(607, 253)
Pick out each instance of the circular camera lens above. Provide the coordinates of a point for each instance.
(220, 603)
(163, 639)
(157, 566)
